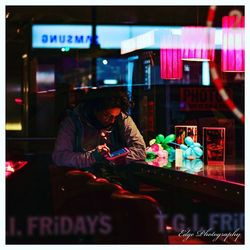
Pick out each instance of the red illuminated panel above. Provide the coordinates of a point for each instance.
(13, 166)
(233, 44)
(198, 43)
(170, 57)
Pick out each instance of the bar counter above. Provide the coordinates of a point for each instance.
(224, 182)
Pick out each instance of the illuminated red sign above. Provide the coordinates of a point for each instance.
(200, 99)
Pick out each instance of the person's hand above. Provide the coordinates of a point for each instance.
(103, 150)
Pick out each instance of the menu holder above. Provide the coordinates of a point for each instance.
(214, 145)
(182, 131)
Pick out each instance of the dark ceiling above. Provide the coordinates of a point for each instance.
(165, 15)
(19, 18)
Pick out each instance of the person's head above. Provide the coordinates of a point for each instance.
(106, 104)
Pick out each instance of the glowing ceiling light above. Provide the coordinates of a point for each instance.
(105, 62)
(233, 44)
(110, 81)
(198, 43)
(170, 57)
(24, 56)
(65, 49)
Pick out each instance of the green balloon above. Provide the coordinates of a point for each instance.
(151, 155)
(170, 138)
(169, 165)
(165, 145)
(159, 138)
(169, 149)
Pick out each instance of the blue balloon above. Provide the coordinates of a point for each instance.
(192, 150)
(171, 159)
(189, 141)
(187, 163)
(188, 153)
(171, 155)
(197, 165)
(197, 152)
(183, 147)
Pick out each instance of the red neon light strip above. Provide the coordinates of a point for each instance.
(11, 166)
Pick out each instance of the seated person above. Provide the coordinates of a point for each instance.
(96, 127)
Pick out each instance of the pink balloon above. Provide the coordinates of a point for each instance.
(155, 147)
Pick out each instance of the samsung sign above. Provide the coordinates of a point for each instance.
(60, 36)
(51, 36)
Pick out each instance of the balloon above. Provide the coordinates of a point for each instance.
(187, 153)
(197, 164)
(192, 166)
(165, 146)
(155, 147)
(169, 165)
(169, 138)
(183, 147)
(188, 140)
(197, 144)
(151, 155)
(197, 152)
(192, 150)
(171, 155)
(187, 163)
(159, 138)
(151, 142)
(163, 154)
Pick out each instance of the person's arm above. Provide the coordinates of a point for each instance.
(134, 140)
(64, 155)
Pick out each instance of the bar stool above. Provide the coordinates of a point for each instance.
(66, 183)
(92, 198)
(136, 219)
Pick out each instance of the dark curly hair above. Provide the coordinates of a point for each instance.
(107, 97)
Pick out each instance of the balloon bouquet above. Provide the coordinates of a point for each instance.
(161, 152)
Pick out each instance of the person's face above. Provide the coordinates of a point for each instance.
(108, 117)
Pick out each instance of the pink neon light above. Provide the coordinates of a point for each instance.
(198, 43)
(170, 57)
(233, 44)
(13, 166)
(18, 101)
